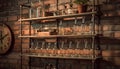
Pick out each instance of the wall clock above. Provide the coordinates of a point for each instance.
(6, 38)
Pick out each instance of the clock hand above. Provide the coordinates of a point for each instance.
(3, 36)
(1, 39)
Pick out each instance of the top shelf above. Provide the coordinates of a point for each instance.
(58, 17)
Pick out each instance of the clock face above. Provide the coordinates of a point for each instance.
(5, 38)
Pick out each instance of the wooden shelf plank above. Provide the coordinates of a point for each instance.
(61, 57)
(55, 36)
(57, 17)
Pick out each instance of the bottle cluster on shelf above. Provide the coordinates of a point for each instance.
(63, 47)
(76, 27)
(42, 10)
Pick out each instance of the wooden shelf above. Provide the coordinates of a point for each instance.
(61, 57)
(57, 17)
(55, 36)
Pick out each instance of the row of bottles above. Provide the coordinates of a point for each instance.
(73, 28)
(68, 48)
(76, 28)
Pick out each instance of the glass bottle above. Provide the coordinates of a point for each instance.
(43, 50)
(33, 46)
(83, 25)
(54, 53)
(77, 50)
(61, 50)
(70, 50)
(48, 50)
(86, 50)
(61, 28)
(37, 46)
(39, 12)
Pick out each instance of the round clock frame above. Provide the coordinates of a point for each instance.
(6, 39)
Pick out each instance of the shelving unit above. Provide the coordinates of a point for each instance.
(55, 47)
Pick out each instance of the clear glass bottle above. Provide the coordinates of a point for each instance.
(54, 53)
(61, 50)
(61, 28)
(33, 46)
(70, 50)
(39, 12)
(43, 50)
(77, 49)
(48, 50)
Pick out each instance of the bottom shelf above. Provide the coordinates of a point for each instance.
(62, 57)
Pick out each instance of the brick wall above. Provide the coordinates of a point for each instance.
(110, 45)
(110, 27)
(9, 14)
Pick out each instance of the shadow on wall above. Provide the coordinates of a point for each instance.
(113, 56)
(111, 32)
(111, 50)
(105, 64)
